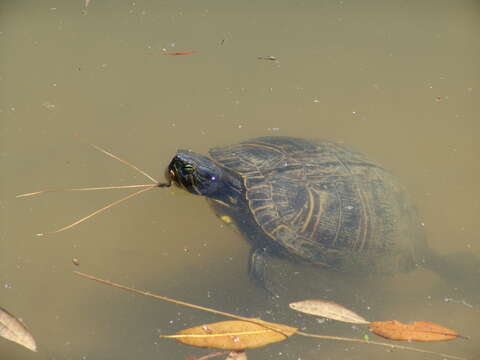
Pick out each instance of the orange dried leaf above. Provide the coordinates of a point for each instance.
(328, 309)
(416, 331)
(234, 334)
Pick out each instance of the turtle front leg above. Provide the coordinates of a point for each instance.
(259, 270)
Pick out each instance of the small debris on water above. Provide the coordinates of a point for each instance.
(75, 261)
(48, 105)
(463, 302)
(270, 57)
(273, 129)
(176, 53)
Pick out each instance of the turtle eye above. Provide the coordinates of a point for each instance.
(188, 169)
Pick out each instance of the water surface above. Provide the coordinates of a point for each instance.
(398, 81)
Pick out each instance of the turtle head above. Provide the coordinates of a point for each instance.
(194, 172)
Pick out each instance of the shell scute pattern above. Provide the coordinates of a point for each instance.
(317, 199)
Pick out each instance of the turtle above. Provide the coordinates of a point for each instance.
(312, 201)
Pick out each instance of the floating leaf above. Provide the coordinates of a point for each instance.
(416, 331)
(13, 329)
(328, 309)
(234, 334)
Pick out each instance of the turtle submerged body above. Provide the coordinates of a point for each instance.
(312, 201)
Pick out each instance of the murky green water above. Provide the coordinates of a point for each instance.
(398, 81)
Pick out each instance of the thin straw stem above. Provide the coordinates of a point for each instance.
(160, 297)
(84, 189)
(99, 211)
(123, 161)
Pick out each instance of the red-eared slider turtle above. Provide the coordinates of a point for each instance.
(314, 201)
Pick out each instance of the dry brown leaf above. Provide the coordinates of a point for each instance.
(416, 331)
(327, 309)
(234, 334)
(13, 329)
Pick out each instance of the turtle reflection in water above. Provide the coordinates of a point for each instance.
(312, 201)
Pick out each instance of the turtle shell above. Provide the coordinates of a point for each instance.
(322, 202)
